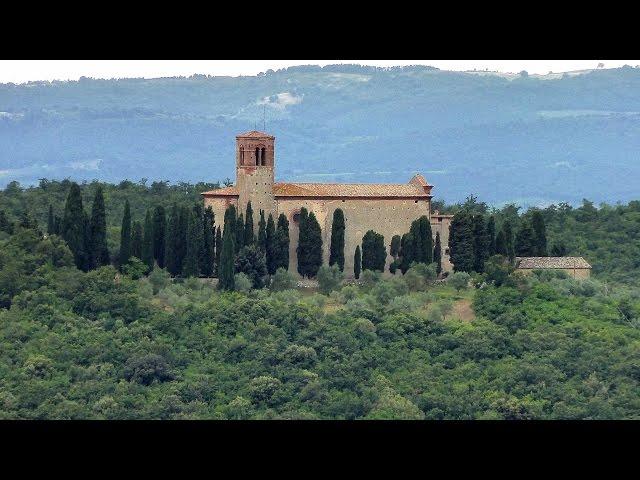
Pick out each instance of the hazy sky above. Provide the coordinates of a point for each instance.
(18, 71)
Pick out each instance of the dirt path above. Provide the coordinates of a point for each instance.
(462, 309)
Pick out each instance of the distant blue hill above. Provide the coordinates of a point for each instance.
(530, 139)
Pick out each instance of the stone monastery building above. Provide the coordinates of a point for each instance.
(388, 209)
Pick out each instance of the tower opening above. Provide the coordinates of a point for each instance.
(263, 157)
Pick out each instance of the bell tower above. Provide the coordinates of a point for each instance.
(255, 158)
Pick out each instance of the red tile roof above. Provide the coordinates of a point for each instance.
(255, 134)
(340, 190)
(348, 190)
(222, 192)
(419, 180)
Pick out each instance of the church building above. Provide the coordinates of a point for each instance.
(387, 209)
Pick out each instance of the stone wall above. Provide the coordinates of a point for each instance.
(219, 206)
(387, 217)
(255, 184)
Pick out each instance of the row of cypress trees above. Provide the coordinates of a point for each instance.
(242, 251)
(183, 242)
(86, 235)
(187, 243)
(472, 240)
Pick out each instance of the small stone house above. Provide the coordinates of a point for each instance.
(577, 267)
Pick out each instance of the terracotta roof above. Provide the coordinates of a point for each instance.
(255, 134)
(348, 190)
(420, 180)
(551, 262)
(227, 191)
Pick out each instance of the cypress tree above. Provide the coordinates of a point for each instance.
(309, 248)
(226, 269)
(190, 266)
(218, 251)
(357, 263)
(57, 222)
(336, 251)
(125, 236)
(147, 241)
(173, 242)
(480, 243)
(491, 234)
(182, 237)
(239, 233)
(99, 249)
(269, 248)
(74, 227)
(406, 252)
(314, 257)
(417, 250)
(262, 232)
(461, 242)
(51, 227)
(230, 220)
(501, 244)
(437, 254)
(508, 240)
(422, 248)
(136, 240)
(159, 235)
(374, 253)
(394, 248)
(525, 244)
(301, 249)
(281, 243)
(249, 238)
(208, 243)
(87, 241)
(427, 239)
(198, 214)
(540, 234)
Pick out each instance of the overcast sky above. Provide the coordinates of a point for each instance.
(19, 71)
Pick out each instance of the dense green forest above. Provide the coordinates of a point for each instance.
(112, 343)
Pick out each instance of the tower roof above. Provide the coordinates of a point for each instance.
(255, 134)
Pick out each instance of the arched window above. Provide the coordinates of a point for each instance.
(241, 155)
(257, 156)
(263, 157)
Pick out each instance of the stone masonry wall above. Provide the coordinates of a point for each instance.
(387, 217)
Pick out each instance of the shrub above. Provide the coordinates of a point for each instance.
(251, 261)
(459, 280)
(159, 278)
(497, 269)
(242, 282)
(329, 278)
(303, 357)
(282, 280)
(147, 368)
(264, 389)
(385, 290)
(134, 268)
(349, 292)
(370, 278)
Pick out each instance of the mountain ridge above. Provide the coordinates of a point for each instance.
(525, 139)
